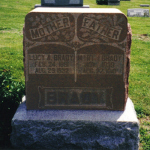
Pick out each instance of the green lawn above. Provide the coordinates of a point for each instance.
(12, 14)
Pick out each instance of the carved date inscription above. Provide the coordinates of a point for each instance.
(100, 64)
(65, 64)
(51, 64)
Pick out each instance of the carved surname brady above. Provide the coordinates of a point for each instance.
(62, 57)
(74, 96)
(111, 57)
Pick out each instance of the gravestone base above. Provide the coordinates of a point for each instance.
(75, 129)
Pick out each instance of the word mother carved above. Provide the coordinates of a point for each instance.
(76, 58)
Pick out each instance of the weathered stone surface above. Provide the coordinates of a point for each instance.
(76, 58)
(138, 12)
(75, 129)
(128, 51)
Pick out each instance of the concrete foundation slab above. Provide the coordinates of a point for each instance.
(75, 129)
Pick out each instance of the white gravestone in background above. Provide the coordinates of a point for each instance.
(138, 12)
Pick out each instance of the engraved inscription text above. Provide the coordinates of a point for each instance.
(105, 30)
(78, 96)
(65, 64)
(51, 27)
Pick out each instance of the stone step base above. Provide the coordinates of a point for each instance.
(75, 129)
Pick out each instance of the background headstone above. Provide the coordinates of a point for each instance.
(102, 2)
(138, 12)
(113, 2)
(144, 5)
(62, 2)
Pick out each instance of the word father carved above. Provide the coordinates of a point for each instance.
(76, 59)
(107, 31)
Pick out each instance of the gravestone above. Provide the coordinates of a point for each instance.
(113, 2)
(102, 2)
(108, 2)
(62, 3)
(138, 12)
(76, 59)
(144, 5)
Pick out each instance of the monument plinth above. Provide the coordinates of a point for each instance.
(76, 58)
(75, 129)
(76, 62)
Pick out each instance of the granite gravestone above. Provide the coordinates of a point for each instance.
(138, 12)
(62, 2)
(76, 59)
(113, 2)
(102, 2)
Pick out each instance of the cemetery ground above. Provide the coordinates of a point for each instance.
(12, 15)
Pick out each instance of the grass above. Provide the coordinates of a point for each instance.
(12, 14)
(145, 133)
